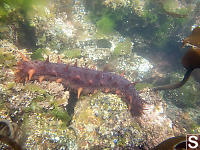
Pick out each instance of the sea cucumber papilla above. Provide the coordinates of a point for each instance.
(83, 80)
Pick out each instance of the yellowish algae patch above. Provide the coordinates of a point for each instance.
(10, 85)
(73, 53)
(85, 123)
(6, 59)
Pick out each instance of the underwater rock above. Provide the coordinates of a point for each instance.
(175, 8)
(103, 43)
(117, 4)
(58, 33)
(155, 123)
(103, 118)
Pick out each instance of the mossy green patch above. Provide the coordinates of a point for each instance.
(34, 88)
(13, 10)
(34, 107)
(170, 5)
(10, 85)
(122, 48)
(84, 115)
(60, 114)
(163, 35)
(105, 25)
(38, 54)
(7, 59)
(74, 53)
(174, 7)
(40, 98)
(149, 16)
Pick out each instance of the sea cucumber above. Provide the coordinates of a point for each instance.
(83, 80)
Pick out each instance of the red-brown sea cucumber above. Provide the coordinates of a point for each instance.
(82, 79)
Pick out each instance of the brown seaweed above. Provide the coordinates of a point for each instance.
(194, 38)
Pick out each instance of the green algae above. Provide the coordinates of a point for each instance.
(162, 34)
(34, 107)
(74, 53)
(10, 85)
(40, 98)
(61, 114)
(7, 59)
(38, 54)
(105, 25)
(34, 88)
(173, 7)
(149, 16)
(105, 18)
(122, 48)
(82, 117)
(9, 88)
(18, 14)
(121, 141)
(57, 112)
(13, 10)
(170, 5)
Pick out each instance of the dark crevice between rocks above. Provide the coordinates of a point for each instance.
(71, 104)
(26, 36)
